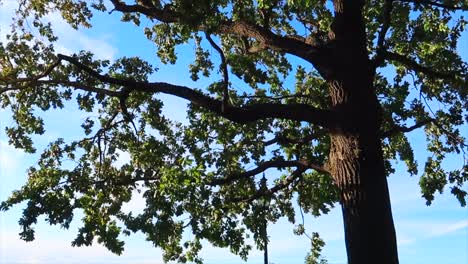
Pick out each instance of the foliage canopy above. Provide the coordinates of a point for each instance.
(196, 175)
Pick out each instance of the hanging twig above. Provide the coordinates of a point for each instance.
(224, 70)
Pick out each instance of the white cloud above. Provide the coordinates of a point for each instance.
(410, 232)
(6, 13)
(100, 47)
(404, 240)
(447, 228)
(9, 158)
(53, 250)
(11, 168)
(70, 40)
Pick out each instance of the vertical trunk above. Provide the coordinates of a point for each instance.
(358, 170)
(357, 167)
(356, 159)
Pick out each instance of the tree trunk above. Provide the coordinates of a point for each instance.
(357, 167)
(356, 158)
(358, 172)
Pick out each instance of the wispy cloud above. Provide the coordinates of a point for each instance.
(448, 228)
(52, 250)
(10, 163)
(404, 240)
(411, 232)
(70, 40)
(9, 158)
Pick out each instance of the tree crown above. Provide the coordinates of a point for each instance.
(198, 174)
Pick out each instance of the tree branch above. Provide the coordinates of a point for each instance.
(269, 192)
(415, 66)
(275, 97)
(66, 83)
(387, 11)
(302, 164)
(165, 14)
(313, 54)
(245, 114)
(224, 70)
(402, 129)
(437, 4)
(47, 71)
(267, 39)
(283, 140)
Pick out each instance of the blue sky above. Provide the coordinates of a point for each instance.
(435, 234)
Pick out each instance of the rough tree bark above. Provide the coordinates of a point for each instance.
(356, 159)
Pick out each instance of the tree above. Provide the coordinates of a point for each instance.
(369, 71)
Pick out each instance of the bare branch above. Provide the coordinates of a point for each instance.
(65, 83)
(224, 70)
(11, 88)
(115, 182)
(267, 39)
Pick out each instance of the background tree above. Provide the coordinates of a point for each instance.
(333, 134)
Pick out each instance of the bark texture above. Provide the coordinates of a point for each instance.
(356, 159)
(357, 168)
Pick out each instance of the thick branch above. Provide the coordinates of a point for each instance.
(283, 140)
(266, 38)
(164, 15)
(302, 164)
(297, 95)
(245, 114)
(437, 4)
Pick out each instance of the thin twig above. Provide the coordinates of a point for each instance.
(224, 70)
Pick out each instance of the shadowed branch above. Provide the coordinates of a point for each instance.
(415, 66)
(300, 164)
(317, 55)
(403, 129)
(244, 114)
